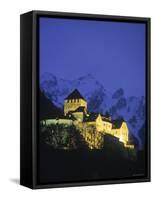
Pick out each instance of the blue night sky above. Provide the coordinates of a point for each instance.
(113, 52)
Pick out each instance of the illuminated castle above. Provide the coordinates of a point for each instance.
(92, 126)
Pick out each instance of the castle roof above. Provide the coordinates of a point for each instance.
(80, 109)
(75, 95)
(91, 118)
(106, 119)
(117, 123)
(70, 116)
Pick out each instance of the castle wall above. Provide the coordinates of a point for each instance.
(122, 133)
(106, 126)
(78, 116)
(92, 137)
(66, 122)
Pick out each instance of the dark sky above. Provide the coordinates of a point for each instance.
(113, 52)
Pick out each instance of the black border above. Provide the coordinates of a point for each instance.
(35, 93)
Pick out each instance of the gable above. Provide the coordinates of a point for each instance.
(74, 95)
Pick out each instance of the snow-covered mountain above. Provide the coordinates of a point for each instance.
(132, 109)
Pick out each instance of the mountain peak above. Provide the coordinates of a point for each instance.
(87, 76)
(47, 76)
(118, 93)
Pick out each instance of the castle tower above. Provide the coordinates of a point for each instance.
(74, 101)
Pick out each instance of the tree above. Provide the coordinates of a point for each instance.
(60, 136)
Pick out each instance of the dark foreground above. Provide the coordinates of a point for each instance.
(89, 165)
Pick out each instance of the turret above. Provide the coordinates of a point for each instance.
(73, 101)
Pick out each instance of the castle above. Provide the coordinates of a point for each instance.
(92, 126)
